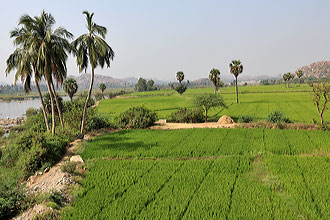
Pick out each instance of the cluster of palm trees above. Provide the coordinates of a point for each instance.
(41, 53)
(235, 67)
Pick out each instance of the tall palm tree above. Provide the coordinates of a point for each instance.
(23, 61)
(236, 68)
(93, 49)
(214, 77)
(180, 76)
(52, 47)
(70, 86)
(48, 49)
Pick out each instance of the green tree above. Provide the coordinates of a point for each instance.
(321, 97)
(214, 77)
(180, 89)
(150, 85)
(236, 68)
(141, 85)
(102, 88)
(208, 101)
(47, 50)
(300, 74)
(93, 49)
(70, 86)
(287, 77)
(180, 76)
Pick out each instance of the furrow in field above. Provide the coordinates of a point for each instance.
(196, 190)
(232, 190)
(146, 204)
(317, 208)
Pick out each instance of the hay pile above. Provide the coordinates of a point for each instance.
(226, 120)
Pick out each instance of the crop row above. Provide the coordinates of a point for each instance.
(207, 142)
(204, 189)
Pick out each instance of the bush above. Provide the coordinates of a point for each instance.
(69, 167)
(48, 105)
(136, 117)
(185, 115)
(10, 200)
(40, 151)
(117, 93)
(30, 112)
(98, 96)
(245, 119)
(180, 89)
(277, 117)
(97, 122)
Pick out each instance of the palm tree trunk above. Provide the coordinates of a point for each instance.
(83, 121)
(57, 104)
(70, 98)
(52, 105)
(236, 90)
(215, 90)
(42, 105)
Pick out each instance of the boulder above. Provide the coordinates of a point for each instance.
(226, 120)
(77, 159)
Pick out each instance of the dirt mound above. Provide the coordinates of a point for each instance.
(226, 120)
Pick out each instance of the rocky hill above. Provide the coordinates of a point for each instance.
(83, 81)
(318, 70)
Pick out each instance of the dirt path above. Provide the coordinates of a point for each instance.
(168, 126)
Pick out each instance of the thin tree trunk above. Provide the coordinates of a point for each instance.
(42, 106)
(52, 105)
(83, 121)
(236, 91)
(215, 90)
(57, 104)
(70, 98)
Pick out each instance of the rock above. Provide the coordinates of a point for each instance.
(77, 159)
(226, 120)
(161, 121)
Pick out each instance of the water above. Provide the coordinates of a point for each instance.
(15, 108)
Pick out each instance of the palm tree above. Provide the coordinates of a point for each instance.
(48, 49)
(102, 88)
(214, 77)
(52, 55)
(180, 76)
(70, 86)
(236, 68)
(91, 47)
(24, 61)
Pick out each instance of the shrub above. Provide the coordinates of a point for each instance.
(277, 117)
(30, 112)
(97, 122)
(98, 96)
(117, 93)
(10, 200)
(69, 167)
(42, 150)
(180, 89)
(245, 119)
(48, 105)
(136, 117)
(185, 115)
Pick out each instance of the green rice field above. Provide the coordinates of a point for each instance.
(255, 101)
(206, 174)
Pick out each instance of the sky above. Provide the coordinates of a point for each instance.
(155, 39)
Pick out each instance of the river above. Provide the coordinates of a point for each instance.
(15, 108)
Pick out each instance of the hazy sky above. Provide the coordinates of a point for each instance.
(155, 39)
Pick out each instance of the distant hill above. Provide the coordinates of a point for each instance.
(318, 70)
(83, 81)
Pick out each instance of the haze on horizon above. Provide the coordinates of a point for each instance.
(155, 39)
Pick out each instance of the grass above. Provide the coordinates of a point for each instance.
(256, 101)
(205, 174)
